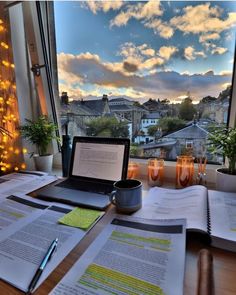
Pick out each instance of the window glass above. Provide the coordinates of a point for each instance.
(167, 62)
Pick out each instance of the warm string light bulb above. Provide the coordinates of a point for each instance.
(6, 63)
(4, 45)
(10, 151)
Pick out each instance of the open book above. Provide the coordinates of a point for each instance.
(208, 211)
(130, 256)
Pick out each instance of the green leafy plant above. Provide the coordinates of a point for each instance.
(224, 140)
(40, 133)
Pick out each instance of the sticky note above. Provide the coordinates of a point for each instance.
(80, 217)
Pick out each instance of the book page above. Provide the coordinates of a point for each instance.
(189, 203)
(223, 219)
(28, 226)
(23, 183)
(130, 256)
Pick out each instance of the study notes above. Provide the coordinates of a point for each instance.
(28, 226)
(212, 212)
(23, 183)
(130, 256)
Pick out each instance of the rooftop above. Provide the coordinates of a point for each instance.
(190, 132)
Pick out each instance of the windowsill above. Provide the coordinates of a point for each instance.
(170, 170)
(169, 173)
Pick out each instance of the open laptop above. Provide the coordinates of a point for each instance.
(96, 163)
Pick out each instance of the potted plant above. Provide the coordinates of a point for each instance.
(40, 133)
(224, 141)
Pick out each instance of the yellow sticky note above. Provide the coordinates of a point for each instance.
(80, 217)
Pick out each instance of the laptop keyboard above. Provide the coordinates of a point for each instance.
(85, 186)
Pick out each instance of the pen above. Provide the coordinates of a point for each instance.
(44, 262)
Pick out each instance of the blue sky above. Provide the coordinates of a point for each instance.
(145, 49)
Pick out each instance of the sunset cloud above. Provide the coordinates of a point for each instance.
(140, 11)
(203, 19)
(189, 53)
(161, 28)
(104, 6)
(91, 70)
(219, 50)
(167, 51)
(143, 57)
(206, 37)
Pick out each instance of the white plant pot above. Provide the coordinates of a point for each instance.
(43, 163)
(225, 182)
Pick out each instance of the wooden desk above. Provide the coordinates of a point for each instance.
(224, 266)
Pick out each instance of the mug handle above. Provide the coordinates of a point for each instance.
(112, 197)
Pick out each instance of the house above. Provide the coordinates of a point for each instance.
(78, 112)
(191, 139)
(147, 120)
(125, 108)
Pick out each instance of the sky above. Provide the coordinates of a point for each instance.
(145, 49)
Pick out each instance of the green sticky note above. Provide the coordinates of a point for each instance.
(80, 217)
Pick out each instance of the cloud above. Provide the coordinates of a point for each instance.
(121, 19)
(130, 67)
(200, 54)
(138, 11)
(151, 63)
(97, 76)
(104, 6)
(161, 28)
(203, 19)
(147, 51)
(219, 50)
(144, 58)
(189, 53)
(167, 51)
(211, 36)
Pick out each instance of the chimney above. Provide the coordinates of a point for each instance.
(64, 98)
(105, 97)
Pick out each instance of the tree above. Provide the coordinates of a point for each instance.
(186, 109)
(134, 150)
(107, 127)
(170, 124)
(152, 130)
(165, 101)
(137, 104)
(208, 99)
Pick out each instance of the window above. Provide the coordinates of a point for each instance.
(189, 144)
(154, 60)
(151, 57)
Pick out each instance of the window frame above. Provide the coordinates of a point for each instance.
(32, 26)
(45, 11)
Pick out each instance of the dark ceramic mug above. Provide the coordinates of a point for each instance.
(127, 195)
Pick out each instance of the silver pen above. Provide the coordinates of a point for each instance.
(43, 264)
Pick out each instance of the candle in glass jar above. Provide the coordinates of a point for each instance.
(155, 172)
(133, 170)
(184, 171)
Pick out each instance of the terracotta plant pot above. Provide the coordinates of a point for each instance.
(224, 181)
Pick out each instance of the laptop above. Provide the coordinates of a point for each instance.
(96, 163)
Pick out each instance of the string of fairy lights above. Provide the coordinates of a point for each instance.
(11, 152)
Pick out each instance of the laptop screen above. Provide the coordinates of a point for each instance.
(99, 158)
